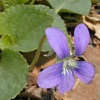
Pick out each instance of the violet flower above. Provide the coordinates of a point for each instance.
(62, 74)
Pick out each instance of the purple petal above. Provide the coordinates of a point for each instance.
(50, 76)
(85, 71)
(58, 42)
(67, 82)
(81, 39)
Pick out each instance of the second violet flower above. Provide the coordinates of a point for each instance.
(62, 74)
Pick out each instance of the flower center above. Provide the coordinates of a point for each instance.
(68, 64)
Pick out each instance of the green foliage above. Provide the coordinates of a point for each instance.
(22, 27)
(58, 22)
(8, 3)
(76, 6)
(13, 72)
(95, 1)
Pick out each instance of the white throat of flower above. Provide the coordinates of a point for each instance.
(68, 64)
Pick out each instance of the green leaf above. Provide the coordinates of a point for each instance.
(13, 72)
(76, 6)
(6, 41)
(95, 1)
(24, 25)
(8, 3)
(58, 22)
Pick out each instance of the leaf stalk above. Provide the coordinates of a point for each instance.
(32, 66)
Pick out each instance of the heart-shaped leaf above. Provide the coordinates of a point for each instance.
(8, 3)
(23, 27)
(76, 6)
(58, 22)
(13, 72)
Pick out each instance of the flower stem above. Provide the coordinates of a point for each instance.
(37, 53)
(64, 59)
(32, 2)
(70, 45)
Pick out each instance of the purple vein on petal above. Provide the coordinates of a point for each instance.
(81, 39)
(85, 71)
(67, 82)
(58, 42)
(50, 76)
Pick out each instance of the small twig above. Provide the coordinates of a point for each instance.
(77, 82)
(84, 58)
(66, 96)
(29, 98)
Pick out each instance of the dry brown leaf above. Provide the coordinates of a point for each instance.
(93, 26)
(93, 19)
(92, 55)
